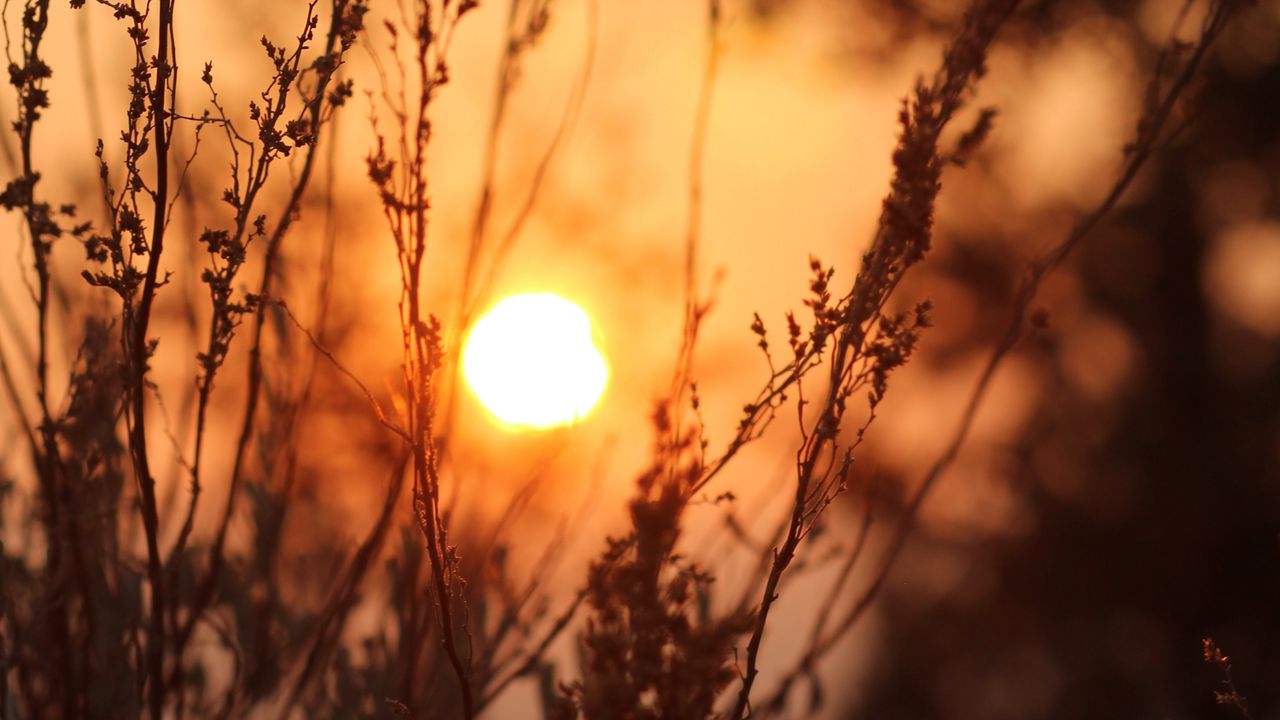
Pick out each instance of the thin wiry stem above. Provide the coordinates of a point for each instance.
(858, 358)
(340, 22)
(694, 308)
(337, 364)
(523, 30)
(1149, 132)
(403, 187)
(534, 190)
(224, 320)
(140, 347)
(341, 602)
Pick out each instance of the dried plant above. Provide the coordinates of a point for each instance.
(114, 607)
(1228, 695)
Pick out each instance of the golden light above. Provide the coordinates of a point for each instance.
(532, 362)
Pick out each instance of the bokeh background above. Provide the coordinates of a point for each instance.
(1119, 499)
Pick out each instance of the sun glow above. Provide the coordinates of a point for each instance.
(532, 362)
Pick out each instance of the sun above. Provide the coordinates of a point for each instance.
(532, 362)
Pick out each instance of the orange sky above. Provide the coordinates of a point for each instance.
(797, 159)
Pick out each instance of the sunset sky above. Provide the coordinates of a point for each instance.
(796, 161)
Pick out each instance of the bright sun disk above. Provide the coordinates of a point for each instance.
(532, 362)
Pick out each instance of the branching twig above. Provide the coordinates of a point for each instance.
(868, 344)
(1146, 139)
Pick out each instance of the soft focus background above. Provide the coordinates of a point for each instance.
(1119, 499)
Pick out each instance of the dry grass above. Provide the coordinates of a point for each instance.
(94, 628)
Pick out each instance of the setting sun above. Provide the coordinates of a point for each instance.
(532, 361)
